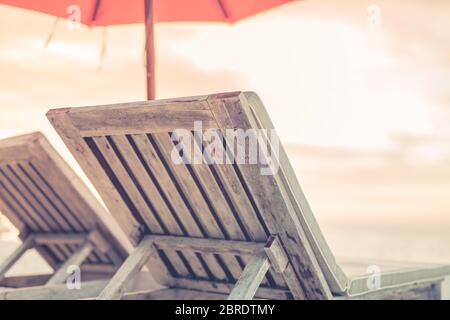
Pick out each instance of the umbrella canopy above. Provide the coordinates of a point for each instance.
(113, 12)
(110, 12)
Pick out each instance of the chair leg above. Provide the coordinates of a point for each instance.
(15, 256)
(273, 255)
(132, 265)
(279, 260)
(89, 290)
(251, 277)
(76, 259)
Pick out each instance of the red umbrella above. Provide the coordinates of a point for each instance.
(111, 12)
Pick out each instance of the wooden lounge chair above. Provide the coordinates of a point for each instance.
(213, 230)
(55, 214)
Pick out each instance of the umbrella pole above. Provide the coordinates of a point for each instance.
(150, 48)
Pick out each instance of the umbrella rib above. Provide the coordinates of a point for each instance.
(222, 7)
(96, 7)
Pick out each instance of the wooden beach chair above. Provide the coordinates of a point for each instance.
(55, 214)
(213, 230)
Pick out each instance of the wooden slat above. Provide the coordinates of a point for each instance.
(56, 200)
(180, 204)
(188, 186)
(139, 200)
(421, 290)
(132, 265)
(98, 268)
(89, 289)
(15, 149)
(60, 188)
(24, 281)
(277, 209)
(233, 188)
(28, 215)
(217, 200)
(76, 259)
(335, 277)
(59, 252)
(225, 288)
(59, 238)
(140, 118)
(251, 278)
(20, 199)
(64, 251)
(169, 218)
(131, 189)
(42, 200)
(88, 156)
(84, 208)
(14, 211)
(30, 198)
(85, 155)
(211, 184)
(208, 245)
(161, 216)
(70, 241)
(6, 208)
(36, 187)
(55, 252)
(46, 179)
(48, 173)
(173, 294)
(279, 261)
(15, 154)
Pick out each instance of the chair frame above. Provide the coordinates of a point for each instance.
(294, 248)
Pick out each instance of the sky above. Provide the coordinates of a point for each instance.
(358, 90)
(371, 74)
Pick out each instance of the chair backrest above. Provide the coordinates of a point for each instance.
(144, 159)
(43, 197)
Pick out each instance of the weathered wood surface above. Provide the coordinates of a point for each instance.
(251, 278)
(24, 281)
(208, 245)
(13, 282)
(88, 289)
(226, 288)
(225, 267)
(336, 278)
(76, 259)
(132, 265)
(276, 254)
(271, 197)
(223, 200)
(126, 150)
(42, 196)
(415, 291)
(139, 118)
(279, 261)
(173, 294)
(188, 200)
(91, 289)
(59, 238)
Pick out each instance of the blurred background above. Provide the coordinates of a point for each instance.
(358, 90)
